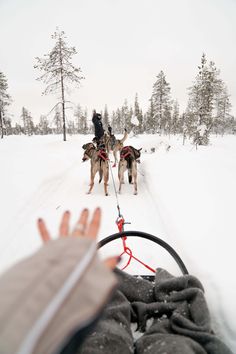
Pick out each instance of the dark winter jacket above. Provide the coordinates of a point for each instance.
(99, 132)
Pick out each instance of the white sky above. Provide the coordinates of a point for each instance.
(122, 45)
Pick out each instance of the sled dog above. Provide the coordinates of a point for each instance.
(129, 156)
(113, 144)
(99, 163)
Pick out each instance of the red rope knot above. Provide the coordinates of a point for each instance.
(120, 223)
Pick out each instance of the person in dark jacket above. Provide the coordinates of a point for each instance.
(97, 122)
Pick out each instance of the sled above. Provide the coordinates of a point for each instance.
(152, 238)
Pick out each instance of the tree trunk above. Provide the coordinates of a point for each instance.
(1, 124)
(62, 97)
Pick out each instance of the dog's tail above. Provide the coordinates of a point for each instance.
(130, 175)
(100, 175)
(129, 160)
(124, 137)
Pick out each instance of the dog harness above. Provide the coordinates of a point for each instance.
(102, 154)
(126, 151)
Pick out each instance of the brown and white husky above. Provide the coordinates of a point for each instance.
(129, 156)
(99, 163)
(114, 145)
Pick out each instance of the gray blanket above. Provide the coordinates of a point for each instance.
(171, 313)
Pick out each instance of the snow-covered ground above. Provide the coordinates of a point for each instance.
(185, 196)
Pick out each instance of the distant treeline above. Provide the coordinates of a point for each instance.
(208, 110)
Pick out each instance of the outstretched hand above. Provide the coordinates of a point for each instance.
(83, 228)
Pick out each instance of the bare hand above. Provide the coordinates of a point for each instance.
(82, 228)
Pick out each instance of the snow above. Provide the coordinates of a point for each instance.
(134, 120)
(185, 196)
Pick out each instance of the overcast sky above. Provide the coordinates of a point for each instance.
(122, 46)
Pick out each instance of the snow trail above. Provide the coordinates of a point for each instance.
(186, 197)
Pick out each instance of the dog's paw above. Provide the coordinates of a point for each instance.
(135, 193)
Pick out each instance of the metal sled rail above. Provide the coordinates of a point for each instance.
(150, 237)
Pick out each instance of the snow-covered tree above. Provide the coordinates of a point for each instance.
(81, 120)
(161, 103)
(202, 98)
(28, 124)
(125, 121)
(4, 102)
(17, 129)
(43, 126)
(7, 126)
(222, 110)
(150, 120)
(58, 71)
(57, 120)
(105, 118)
(175, 121)
(139, 116)
(116, 122)
(71, 127)
(78, 118)
(86, 128)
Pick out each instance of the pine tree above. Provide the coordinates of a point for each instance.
(57, 120)
(150, 120)
(86, 129)
(4, 102)
(113, 121)
(7, 126)
(201, 101)
(28, 124)
(161, 102)
(43, 126)
(175, 126)
(138, 114)
(71, 127)
(188, 124)
(59, 71)
(81, 120)
(125, 121)
(105, 118)
(117, 121)
(78, 115)
(222, 107)
(17, 130)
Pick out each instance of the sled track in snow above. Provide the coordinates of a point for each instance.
(45, 192)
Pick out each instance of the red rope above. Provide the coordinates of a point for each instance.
(120, 224)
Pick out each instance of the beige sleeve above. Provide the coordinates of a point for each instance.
(45, 298)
